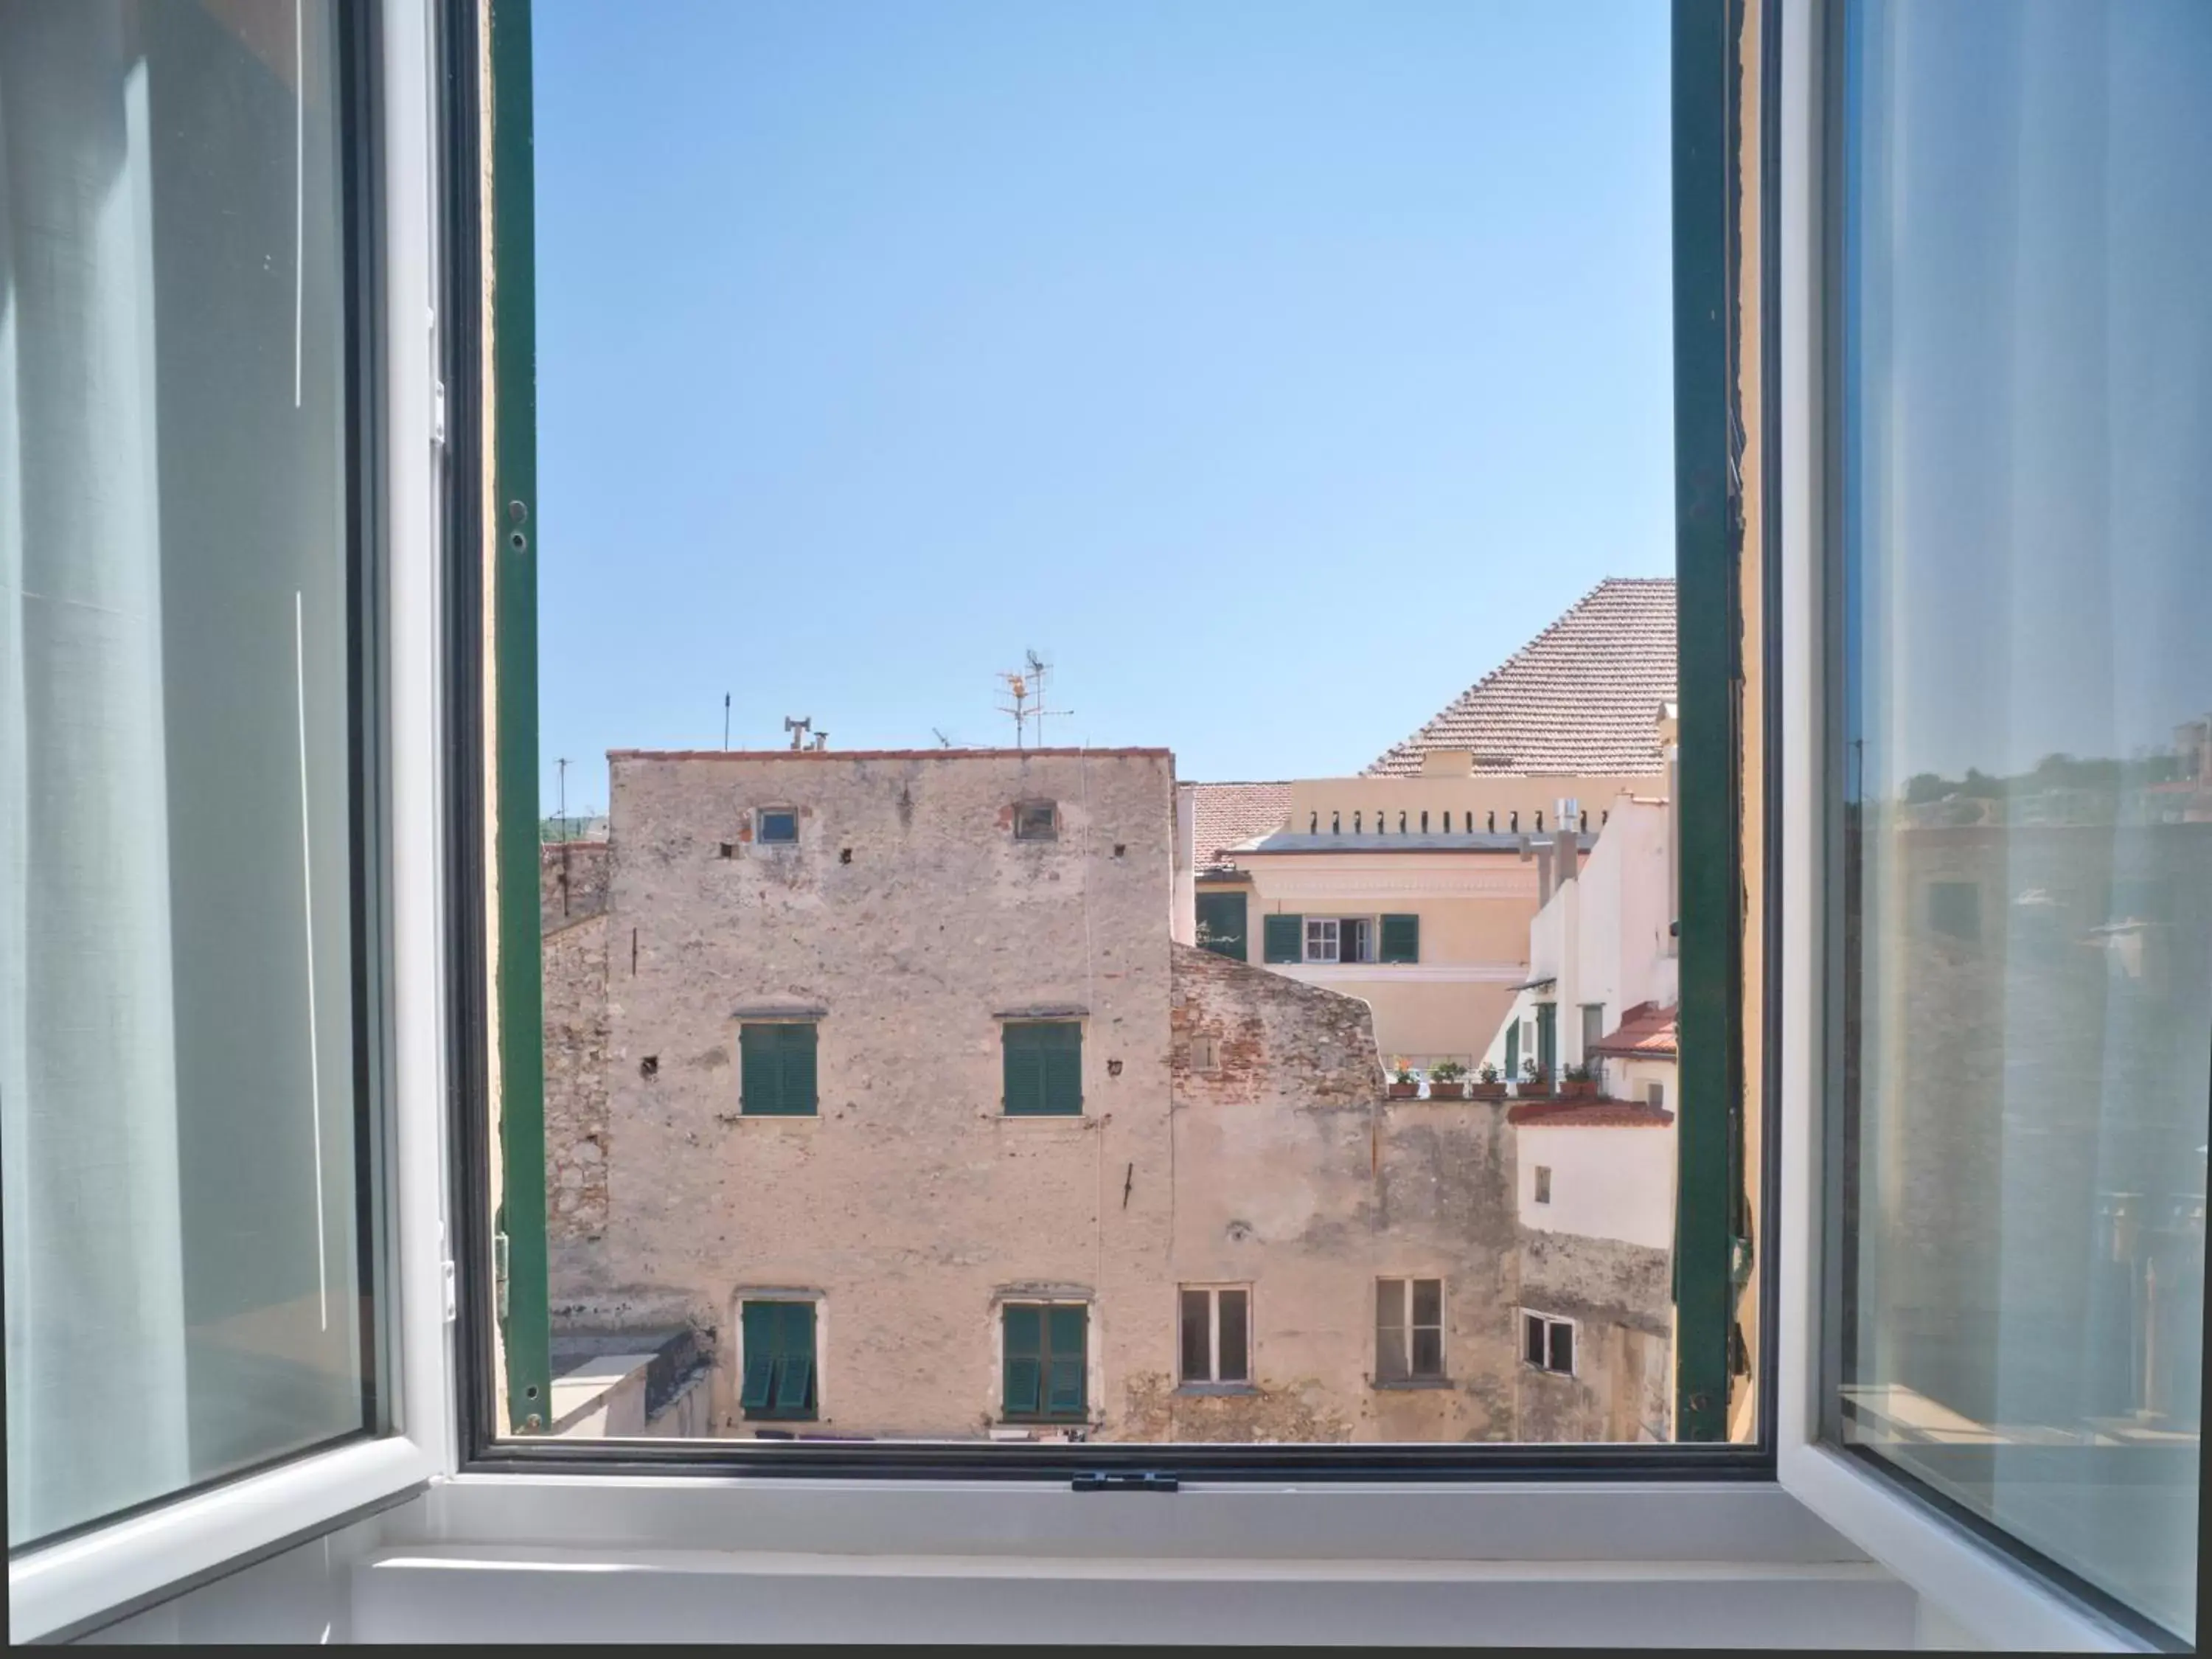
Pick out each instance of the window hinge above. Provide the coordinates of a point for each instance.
(438, 413)
(1130, 1480)
(499, 1270)
(446, 1273)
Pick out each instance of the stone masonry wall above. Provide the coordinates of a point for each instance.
(572, 903)
(909, 919)
(1295, 1176)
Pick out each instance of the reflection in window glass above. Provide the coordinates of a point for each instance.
(179, 1076)
(2027, 770)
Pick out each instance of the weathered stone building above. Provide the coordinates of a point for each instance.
(572, 903)
(913, 1113)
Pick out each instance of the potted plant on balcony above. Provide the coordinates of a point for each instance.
(1447, 1080)
(1533, 1079)
(1404, 1084)
(1577, 1083)
(1488, 1083)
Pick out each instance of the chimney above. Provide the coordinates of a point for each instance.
(1447, 762)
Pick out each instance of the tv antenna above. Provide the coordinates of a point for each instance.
(1025, 690)
(799, 729)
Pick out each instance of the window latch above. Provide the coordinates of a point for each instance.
(1125, 1480)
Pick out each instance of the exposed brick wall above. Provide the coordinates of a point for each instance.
(1273, 1038)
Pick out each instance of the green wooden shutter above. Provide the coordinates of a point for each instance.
(759, 1072)
(1062, 1053)
(1221, 925)
(1546, 1036)
(798, 1080)
(1402, 939)
(1513, 1048)
(1283, 939)
(762, 1344)
(1023, 1327)
(1024, 1070)
(1063, 1332)
(794, 1385)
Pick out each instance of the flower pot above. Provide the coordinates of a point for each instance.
(1584, 1090)
(1533, 1088)
(1486, 1091)
(1404, 1092)
(1453, 1091)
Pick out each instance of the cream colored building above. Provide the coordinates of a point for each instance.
(1413, 885)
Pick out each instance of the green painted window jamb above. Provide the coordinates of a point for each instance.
(1708, 618)
(526, 1331)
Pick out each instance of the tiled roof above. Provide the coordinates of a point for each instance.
(1224, 814)
(1645, 1032)
(1582, 696)
(1589, 1115)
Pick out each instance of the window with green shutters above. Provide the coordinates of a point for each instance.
(1045, 1067)
(1283, 939)
(1221, 925)
(1513, 1049)
(778, 1361)
(1402, 939)
(1046, 1369)
(776, 1075)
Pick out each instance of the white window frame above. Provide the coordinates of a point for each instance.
(1213, 1378)
(1977, 1586)
(471, 1532)
(1414, 1376)
(86, 1578)
(1323, 933)
(1550, 1321)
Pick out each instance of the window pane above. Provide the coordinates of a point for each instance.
(181, 1078)
(1390, 1358)
(1428, 1351)
(1428, 1302)
(1197, 1338)
(1532, 1339)
(1562, 1356)
(2025, 421)
(1235, 1363)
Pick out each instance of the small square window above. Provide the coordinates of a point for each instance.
(1409, 1330)
(1215, 1335)
(1546, 1343)
(1036, 820)
(1204, 1055)
(1654, 1096)
(1543, 1183)
(779, 826)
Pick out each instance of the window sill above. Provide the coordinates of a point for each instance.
(1407, 1384)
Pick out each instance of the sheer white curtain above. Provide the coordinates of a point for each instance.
(96, 1398)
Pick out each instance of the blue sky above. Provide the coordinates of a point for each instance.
(1273, 368)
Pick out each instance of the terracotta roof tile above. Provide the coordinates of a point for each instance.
(1582, 696)
(1645, 1032)
(1224, 814)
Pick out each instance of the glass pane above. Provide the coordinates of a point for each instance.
(1532, 1339)
(1390, 1359)
(1428, 1302)
(2028, 789)
(1236, 1362)
(181, 1077)
(1197, 1337)
(1428, 1351)
(1562, 1356)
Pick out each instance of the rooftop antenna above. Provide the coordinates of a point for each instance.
(798, 728)
(943, 742)
(726, 720)
(1025, 687)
